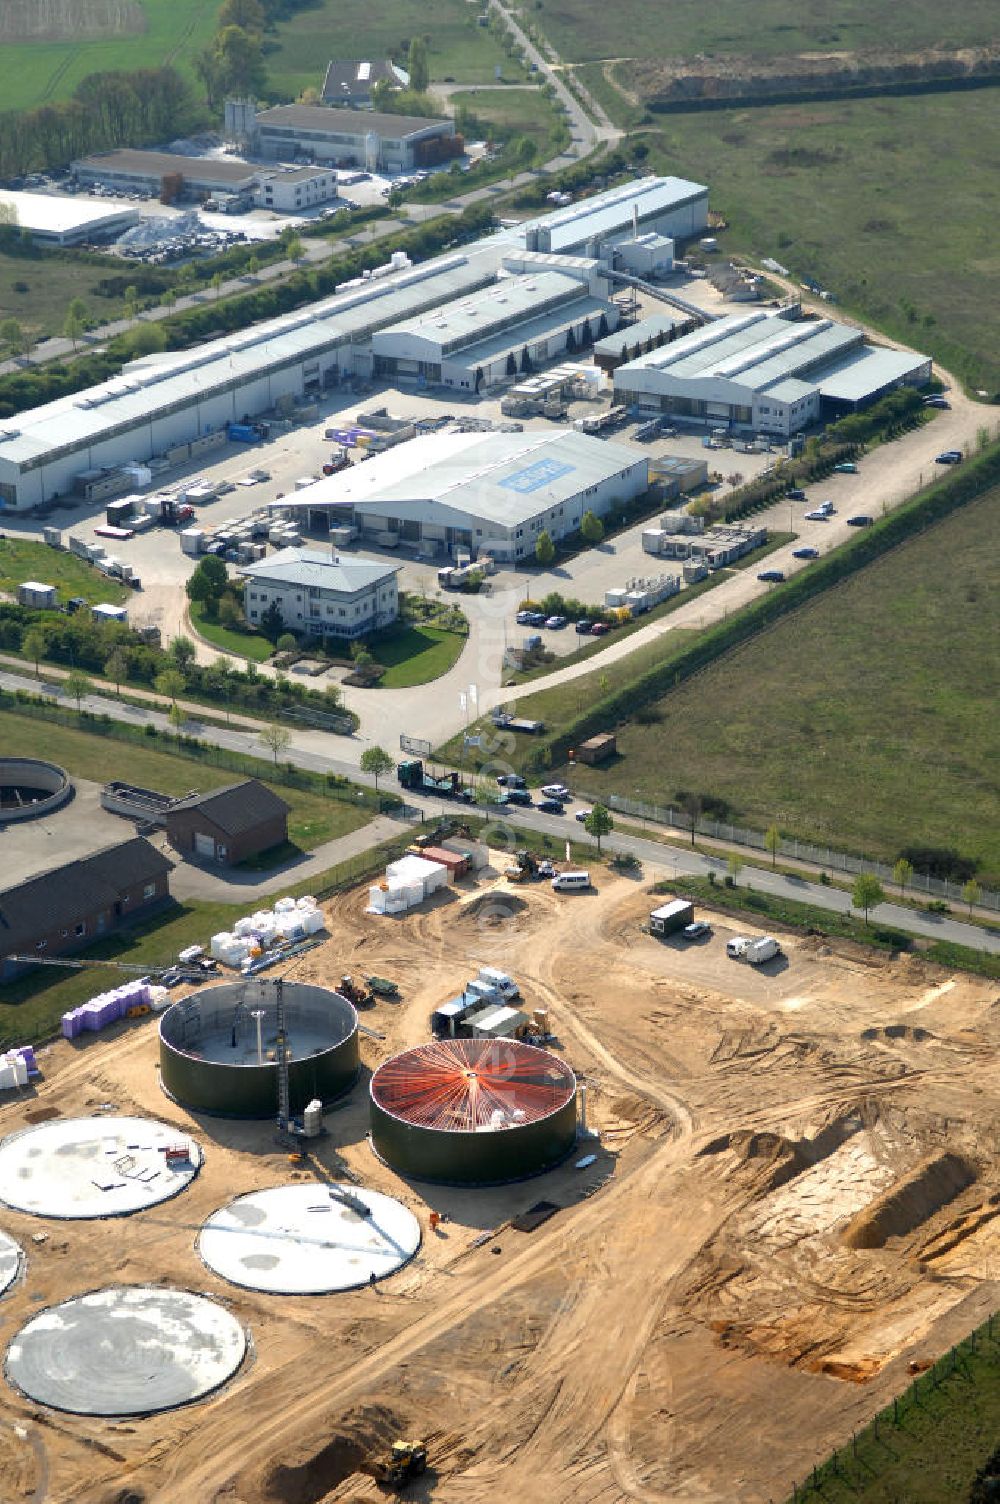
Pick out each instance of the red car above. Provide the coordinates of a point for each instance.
(599, 629)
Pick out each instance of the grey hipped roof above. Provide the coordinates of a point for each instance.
(68, 894)
(235, 809)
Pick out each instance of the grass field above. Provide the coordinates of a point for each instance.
(21, 559)
(583, 31)
(38, 72)
(312, 820)
(416, 654)
(458, 49)
(512, 112)
(845, 192)
(868, 718)
(37, 292)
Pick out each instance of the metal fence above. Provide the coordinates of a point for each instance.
(824, 857)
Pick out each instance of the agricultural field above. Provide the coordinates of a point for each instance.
(458, 50)
(582, 31)
(844, 192)
(866, 719)
(46, 50)
(21, 559)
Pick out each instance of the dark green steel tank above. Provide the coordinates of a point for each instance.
(217, 1055)
(473, 1111)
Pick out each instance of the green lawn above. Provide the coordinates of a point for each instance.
(844, 191)
(37, 290)
(38, 72)
(457, 48)
(21, 559)
(867, 718)
(415, 654)
(242, 643)
(583, 31)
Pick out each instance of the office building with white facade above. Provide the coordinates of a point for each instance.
(317, 133)
(319, 593)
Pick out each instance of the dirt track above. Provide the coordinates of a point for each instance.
(695, 1324)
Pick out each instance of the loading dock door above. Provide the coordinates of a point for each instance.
(204, 845)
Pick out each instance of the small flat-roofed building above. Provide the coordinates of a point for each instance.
(291, 190)
(392, 143)
(318, 592)
(765, 373)
(649, 255)
(480, 493)
(228, 825)
(510, 329)
(349, 85)
(59, 219)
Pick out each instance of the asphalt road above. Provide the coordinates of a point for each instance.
(669, 859)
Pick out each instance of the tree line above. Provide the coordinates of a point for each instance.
(105, 110)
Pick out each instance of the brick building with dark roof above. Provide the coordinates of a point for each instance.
(69, 907)
(229, 824)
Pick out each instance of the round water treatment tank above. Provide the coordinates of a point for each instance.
(126, 1350)
(473, 1111)
(218, 1049)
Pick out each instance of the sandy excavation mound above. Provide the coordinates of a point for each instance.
(355, 1443)
(912, 1200)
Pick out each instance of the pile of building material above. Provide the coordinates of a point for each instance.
(406, 884)
(149, 233)
(108, 1008)
(255, 935)
(16, 1066)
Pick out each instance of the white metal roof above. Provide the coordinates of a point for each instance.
(54, 214)
(502, 478)
(153, 384)
(867, 371)
(755, 350)
(511, 300)
(310, 566)
(610, 211)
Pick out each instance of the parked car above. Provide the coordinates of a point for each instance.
(555, 623)
(949, 457)
(940, 402)
(556, 791)
(524, 618)
(817, 516)
(583, 628)
(511, 781)
(771, 576)
(861, 520)
(537, 618)
(796, 494)
(600, 629)
(696, 931)
(516, 796)
(847, 468)
(549, 806)
(583, 814)
(805, 553)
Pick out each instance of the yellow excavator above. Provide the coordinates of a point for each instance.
(407, 1460)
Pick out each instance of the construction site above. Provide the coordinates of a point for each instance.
(684, 1226)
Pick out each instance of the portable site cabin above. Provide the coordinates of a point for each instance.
(671, 917)
(500, 1023)
(34, 593)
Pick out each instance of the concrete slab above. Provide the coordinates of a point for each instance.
(309, 1239)
(11, 1258)
(78, 829)
(126, 1351)
(79, 1168)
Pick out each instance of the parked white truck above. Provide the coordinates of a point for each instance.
(753, 950)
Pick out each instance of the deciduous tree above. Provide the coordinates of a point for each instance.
(599, 823)
(376, 761)
(867, 892)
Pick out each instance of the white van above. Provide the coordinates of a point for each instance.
(736, 948)
(499, 981)
(568, 881)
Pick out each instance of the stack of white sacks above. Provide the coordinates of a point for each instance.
(291, 919)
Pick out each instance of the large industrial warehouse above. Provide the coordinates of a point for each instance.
(317, 133)
(766, 373)
(666, 206)
(477, 341)
(163, 400)
(53, 220)
(487, 493)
